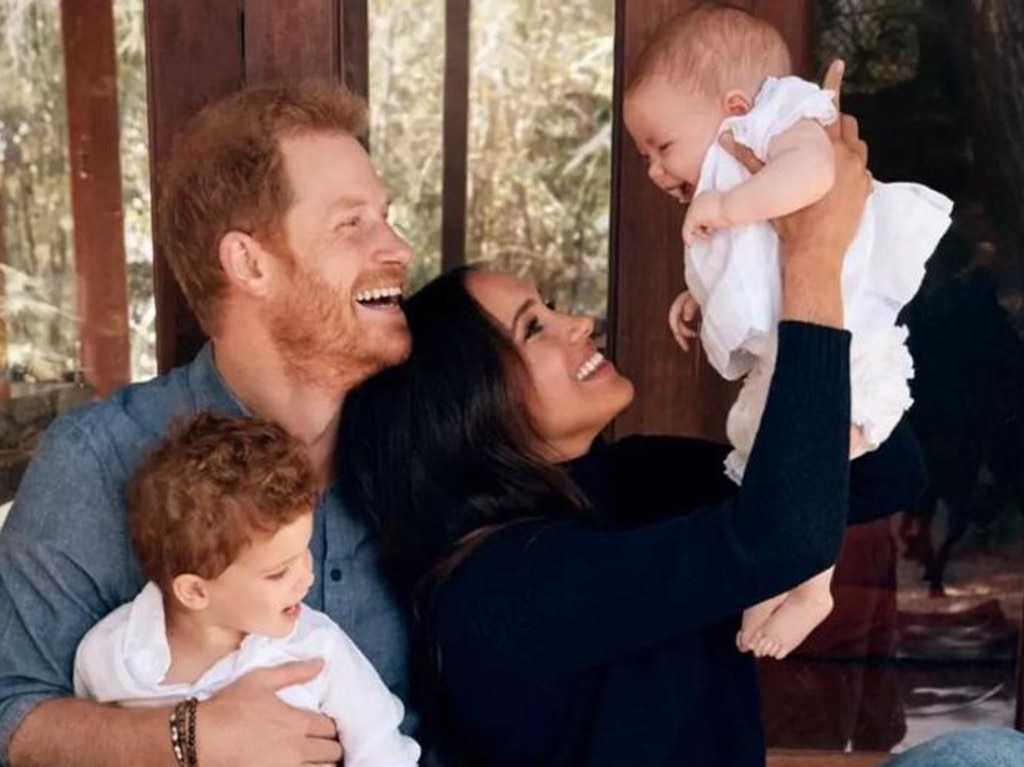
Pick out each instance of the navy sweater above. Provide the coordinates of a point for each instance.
(572, 644)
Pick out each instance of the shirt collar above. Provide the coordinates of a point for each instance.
(209, 389)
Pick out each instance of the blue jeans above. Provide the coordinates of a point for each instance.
(982, 747)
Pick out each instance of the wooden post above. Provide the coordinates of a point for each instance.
(94, 154)
(354, 53)
(199, 51)
(676, 392)
(5, 380)
(270, 37)
(456, 133)
(193, 56)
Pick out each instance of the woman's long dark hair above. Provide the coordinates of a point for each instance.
(439, 450)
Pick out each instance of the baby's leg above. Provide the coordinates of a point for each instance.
(754, 618)
(800, 612)
(858, 442)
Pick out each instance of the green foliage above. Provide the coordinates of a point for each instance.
(40, 305)
(539, 136)
(38, 265)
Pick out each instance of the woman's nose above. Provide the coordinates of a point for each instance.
(581, 328)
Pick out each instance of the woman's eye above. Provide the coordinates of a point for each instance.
(533, 327)
(551, 305)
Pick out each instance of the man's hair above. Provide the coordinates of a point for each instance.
(211, 488)
(227, 173)
(714, 48)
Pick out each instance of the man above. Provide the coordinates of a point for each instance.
(275, 225)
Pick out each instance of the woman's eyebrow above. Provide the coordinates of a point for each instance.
(523, 308)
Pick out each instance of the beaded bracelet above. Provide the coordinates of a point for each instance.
(182, 723)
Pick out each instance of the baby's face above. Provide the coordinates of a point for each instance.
(673, 127)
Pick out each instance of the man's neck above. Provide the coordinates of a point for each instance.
(256, 375)
(195, 646)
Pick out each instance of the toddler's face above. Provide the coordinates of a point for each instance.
(262, 590)
(673, 127)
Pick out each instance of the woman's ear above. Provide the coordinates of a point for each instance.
(736, 103)
(191, 591)
(244, 262)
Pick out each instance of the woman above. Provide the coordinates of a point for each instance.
(578, 605)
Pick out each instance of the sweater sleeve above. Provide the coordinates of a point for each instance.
(888, 479)
(559, 597)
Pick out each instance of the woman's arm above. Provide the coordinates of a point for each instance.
(557, 598)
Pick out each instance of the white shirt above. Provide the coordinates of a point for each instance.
(124, 658)
(735, 276)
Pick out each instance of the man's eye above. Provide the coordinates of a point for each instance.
(348, 223)
(551, 305)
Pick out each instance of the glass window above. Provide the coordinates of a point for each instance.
(406, 111)
(40, 350)
(926, 628)
(540, 144)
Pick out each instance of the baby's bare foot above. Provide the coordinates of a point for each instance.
(789, 625)
(754, 618)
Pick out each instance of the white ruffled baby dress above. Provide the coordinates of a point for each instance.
(735, 276)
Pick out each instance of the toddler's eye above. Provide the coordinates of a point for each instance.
(664, 147)
(277, 576)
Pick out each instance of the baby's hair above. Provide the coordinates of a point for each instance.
(210, 489)
(714, 48)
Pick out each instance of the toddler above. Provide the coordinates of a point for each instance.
(715, 69)
(221, 517)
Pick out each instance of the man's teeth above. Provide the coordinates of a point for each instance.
(379, 295)
(587, 368)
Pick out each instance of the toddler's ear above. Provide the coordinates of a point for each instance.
(736, 103)
(190, 591)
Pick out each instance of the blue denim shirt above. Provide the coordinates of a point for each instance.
(66, 560)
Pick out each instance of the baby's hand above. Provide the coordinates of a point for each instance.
(681, 316)
(705, 216)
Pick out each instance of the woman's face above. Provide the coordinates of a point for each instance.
(575, 391)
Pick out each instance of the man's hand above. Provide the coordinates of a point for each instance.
(246, 724)
(705, 216)
(682, 315)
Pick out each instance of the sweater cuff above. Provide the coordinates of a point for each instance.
(822, 346)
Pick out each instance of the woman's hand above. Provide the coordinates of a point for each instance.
(814, 239)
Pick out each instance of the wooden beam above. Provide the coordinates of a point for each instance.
(456, 133)
(193, 56)
(794, 758)
(272, 48)
(90, 70)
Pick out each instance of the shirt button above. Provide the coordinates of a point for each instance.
(335, 575)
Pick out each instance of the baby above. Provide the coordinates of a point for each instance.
(717, 69)
(221, 516)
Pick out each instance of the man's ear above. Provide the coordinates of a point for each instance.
(244, 262)
(191, 591)
(736, 103)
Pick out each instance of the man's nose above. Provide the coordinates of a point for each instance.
(395, 250)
